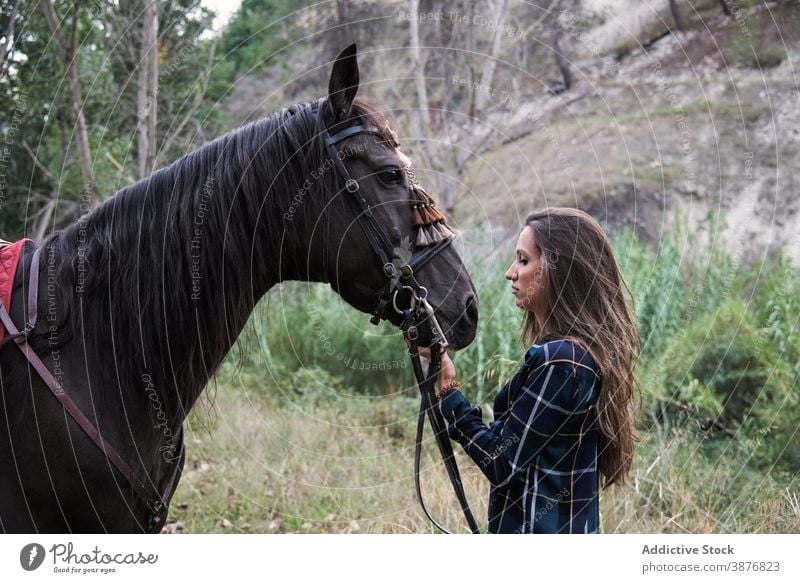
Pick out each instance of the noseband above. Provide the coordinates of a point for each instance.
(418, 314)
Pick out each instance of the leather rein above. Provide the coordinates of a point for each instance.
(417, 315)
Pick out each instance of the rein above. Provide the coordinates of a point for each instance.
(419, 313)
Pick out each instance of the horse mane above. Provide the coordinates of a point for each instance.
(160, 278)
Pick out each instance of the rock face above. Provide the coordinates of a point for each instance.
(678, 131)
(630, 25)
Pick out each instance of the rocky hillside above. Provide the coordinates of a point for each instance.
(684, 128)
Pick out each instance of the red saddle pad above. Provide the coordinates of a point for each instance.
(9, 258)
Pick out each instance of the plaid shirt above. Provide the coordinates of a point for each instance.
(540, 453)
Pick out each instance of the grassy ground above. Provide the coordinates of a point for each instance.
(255, 467)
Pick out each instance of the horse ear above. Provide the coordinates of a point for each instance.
(343, 85)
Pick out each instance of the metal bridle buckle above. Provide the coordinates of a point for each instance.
(351, 185)
(414, 298)
(438, 333)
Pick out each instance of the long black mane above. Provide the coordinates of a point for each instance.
(159, 279)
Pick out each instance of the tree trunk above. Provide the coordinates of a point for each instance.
(176, 130)
(420, 118)
(680, 23)
(147, 95)
(343, 16)
(69, 59)
(416, 58)
(40, 227)
(491, 59)
(726, 7)
(561, 61)
(471, 51)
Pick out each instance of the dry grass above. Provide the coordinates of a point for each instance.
(255, 467)
(347, 468)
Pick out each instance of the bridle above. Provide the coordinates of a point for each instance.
(376, 235)
(419, 314)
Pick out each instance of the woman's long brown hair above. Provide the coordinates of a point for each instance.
(583, 297)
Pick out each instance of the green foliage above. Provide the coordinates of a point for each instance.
(42, 157)
(747, 49)
(256, 33)
(715, 368)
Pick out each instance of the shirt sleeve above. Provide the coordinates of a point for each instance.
(506, 449)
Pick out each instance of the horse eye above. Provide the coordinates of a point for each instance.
(391, 176)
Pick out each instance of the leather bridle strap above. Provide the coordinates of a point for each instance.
(146, 491)
(428, 404)
(414, 317)
(376, 236)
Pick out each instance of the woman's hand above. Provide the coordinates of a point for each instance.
(447, 370)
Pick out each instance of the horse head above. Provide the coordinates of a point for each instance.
(376, 187)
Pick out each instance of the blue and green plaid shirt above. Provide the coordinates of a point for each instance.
(540, 453)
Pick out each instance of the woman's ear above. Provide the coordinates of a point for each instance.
(342, 86)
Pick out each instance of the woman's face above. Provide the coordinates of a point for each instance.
(525, 273)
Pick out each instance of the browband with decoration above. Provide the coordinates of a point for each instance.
(430, 220)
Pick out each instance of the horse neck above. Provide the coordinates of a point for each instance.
(177, 262)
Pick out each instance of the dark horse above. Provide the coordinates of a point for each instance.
(142, 298)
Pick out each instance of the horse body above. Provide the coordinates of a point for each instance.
(143, 297)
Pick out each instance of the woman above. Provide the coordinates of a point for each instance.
(565, 419)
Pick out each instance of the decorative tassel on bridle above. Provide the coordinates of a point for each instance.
(430, 220)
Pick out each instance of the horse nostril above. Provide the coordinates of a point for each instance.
(472, 308)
